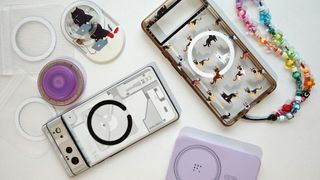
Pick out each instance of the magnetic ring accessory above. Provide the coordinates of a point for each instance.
(18, 115)
(61, 82)
(206, 34)
(95, 136)
(22, 54)
(206, 163)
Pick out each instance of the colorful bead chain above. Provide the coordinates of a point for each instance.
(300, 72)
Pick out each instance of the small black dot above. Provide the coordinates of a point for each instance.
(75, 160)
(61, 136)
(69, 150)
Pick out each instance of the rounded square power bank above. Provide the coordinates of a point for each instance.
(200, 155)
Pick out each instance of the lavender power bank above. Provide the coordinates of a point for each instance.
(200, 155)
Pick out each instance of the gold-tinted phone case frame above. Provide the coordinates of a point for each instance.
(145, 26)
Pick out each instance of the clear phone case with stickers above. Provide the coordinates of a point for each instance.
(211, 55)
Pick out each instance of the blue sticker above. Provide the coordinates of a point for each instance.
(85, 28)
(101, 43)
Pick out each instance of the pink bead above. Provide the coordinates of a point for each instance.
(280, 111)
(248, 25)
(303, 99)
(242, 12)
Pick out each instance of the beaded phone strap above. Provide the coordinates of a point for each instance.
(300, 72)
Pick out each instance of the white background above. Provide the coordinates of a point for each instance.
(290, 150)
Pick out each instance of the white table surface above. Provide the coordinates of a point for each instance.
(290, 150)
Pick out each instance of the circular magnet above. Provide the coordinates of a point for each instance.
(220, 57)
(39, 116)
(104, 141)
(61, 82)
(197, 162)
(22, 54)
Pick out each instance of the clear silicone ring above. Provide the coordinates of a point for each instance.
(205, 34)
(25, 103)
(41, 21)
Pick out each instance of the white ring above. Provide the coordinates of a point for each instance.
(38, 20)
(18, 113)
(204, 34)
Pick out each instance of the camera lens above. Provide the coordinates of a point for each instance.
(69, 150)
(75, 160)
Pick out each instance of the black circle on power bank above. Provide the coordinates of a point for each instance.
(97, 138)
(75, 160)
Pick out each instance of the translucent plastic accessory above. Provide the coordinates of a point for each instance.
(22, 54)
(30, 35)
(22, 117)
(23, 121)
(61, 81)
(93, 31)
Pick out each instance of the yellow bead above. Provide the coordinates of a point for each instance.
(290, 63)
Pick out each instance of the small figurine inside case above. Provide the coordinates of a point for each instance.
(93, 31)
(211, 55)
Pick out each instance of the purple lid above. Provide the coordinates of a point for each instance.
(61, 82)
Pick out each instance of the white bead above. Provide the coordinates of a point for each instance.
(294, 69)
(289, 116)
(298, 98)
(281, 118)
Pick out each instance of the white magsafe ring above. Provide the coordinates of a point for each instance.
(38, 20)
(20, 108)
(205, 34)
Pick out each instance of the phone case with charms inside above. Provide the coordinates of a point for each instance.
(211, 55)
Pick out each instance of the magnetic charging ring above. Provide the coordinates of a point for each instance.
(202, 159)
(220, 36)
(61, 82)
(99, 139)
(45, 113)
(22, 54)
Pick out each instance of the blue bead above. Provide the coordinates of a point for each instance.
(296, 106)
(265, 17)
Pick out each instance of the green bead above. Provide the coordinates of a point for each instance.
(299, 92)
(291, 53)
(296, 75)
(277, 35)
(282, 43)
(272, 31)
(299, 82)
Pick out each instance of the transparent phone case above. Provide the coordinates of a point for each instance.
(211, 56)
